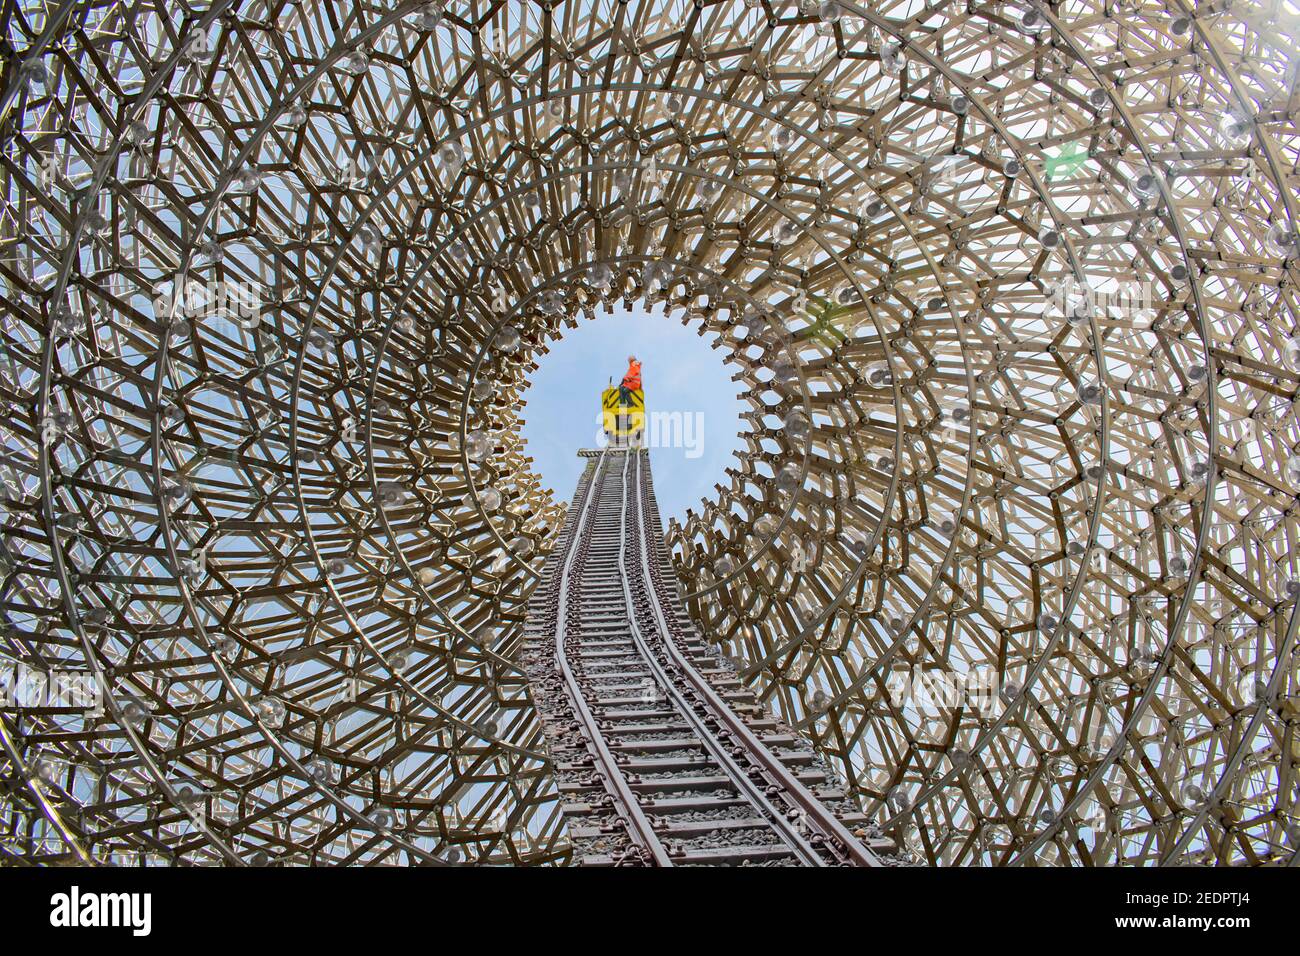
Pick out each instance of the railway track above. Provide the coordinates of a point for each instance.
(664, 758)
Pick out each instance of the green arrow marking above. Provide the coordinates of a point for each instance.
(825, 327)
(1067, 161)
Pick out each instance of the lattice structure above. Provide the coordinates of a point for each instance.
(1014, 289)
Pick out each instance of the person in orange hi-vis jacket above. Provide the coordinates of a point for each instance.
(631, 381)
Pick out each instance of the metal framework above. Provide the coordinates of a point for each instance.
(1013, 286)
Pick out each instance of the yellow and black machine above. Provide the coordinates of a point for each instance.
(623, 420)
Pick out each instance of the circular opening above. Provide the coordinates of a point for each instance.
(694, 424)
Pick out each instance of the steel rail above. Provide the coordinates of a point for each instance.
(815, 811)
(771, 813)
(781, 775)
(639, 827)
(798, 824)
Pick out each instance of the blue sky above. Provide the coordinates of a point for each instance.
(680, 373)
